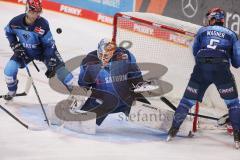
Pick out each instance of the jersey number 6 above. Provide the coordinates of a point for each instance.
(213, 43)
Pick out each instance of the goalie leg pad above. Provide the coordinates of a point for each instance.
(155, 117)
(88, 127)
(54, 120)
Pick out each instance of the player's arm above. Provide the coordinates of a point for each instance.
(235, 57)
(49, 48)
(134, 74)
(47, 41)
(89, 68)
(16, 46)
(82, 77)
(10, 34)
(196, 44)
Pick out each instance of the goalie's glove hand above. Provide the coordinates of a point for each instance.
(19, 50)
(144, 86)
(51, 71)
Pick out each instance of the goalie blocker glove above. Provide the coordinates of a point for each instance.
(144, 86)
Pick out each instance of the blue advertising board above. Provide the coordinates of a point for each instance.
(107, 7)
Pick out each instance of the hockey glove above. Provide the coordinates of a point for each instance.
(51, 71)
(19, 50)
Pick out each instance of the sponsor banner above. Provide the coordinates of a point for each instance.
(151, 6)
(194, 11)
(155, 31)
(79, 12)
(107, 7)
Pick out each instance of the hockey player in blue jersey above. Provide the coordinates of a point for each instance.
(110, 72)
(30, 38)
(215, 48)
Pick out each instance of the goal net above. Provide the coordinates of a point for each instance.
(162, 40)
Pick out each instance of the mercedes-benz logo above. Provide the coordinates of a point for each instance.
(189, 7)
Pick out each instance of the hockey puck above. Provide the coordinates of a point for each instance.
(59, 30)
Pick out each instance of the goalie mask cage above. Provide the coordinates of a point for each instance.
(158, 39)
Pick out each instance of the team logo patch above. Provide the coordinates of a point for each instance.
(39, 30)
(26, 36)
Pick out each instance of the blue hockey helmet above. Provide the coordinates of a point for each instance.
(216, 13)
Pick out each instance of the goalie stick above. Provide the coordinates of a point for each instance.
(25, 92)
(220, 121)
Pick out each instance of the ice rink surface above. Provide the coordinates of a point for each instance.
(115, 139)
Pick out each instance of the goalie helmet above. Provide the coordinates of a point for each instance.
(34, 5)
(215, 13)
(105, 50)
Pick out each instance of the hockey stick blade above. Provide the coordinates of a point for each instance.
(25, 92)
(17, 95)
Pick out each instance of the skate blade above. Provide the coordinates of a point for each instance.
(169, 138)
(190, 134)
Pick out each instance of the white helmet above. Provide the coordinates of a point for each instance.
(105, 50)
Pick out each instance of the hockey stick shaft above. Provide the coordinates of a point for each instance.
(35, 89)
(35, 66)
(14, 117)
(167, 102)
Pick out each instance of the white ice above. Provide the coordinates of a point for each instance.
(115, 139)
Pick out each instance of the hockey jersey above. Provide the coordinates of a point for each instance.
(36, 39)
(217, 41)
(115, 78)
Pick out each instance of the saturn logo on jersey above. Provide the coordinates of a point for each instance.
(112, 79)
(39, 30)
(118, 78)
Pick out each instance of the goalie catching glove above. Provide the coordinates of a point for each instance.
(144, 86)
